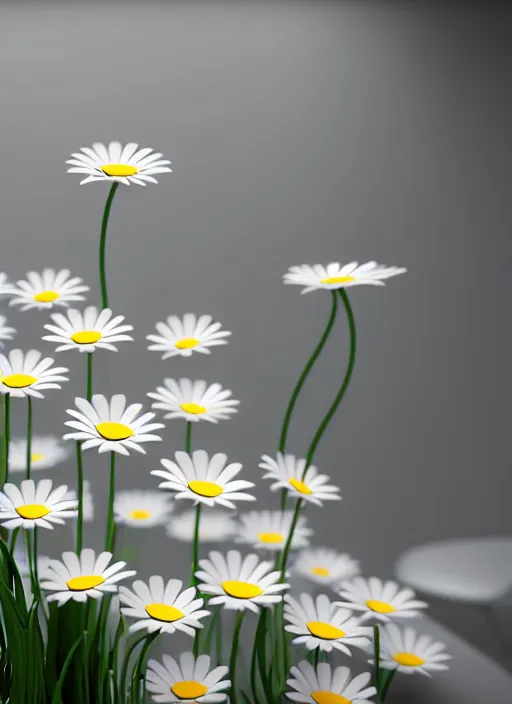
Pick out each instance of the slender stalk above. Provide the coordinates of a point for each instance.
(387, 686)
(289, 539)
(109, 544)
(188, 438)
(14, 537)
(316, 658)
(7, 433)
(195, 546)
(124, 671)
(234, 653)
(29, 436)
(36, 574)
(80, 482)
(376, 655)
(103, 242)
(140, 664)
(30, 560)
(89, 376)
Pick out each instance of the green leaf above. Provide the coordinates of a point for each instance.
(51, 649)
(35, 651)
(57, 694)
(14, 581)
(15, 635)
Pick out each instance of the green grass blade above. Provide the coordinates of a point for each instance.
(57, 694)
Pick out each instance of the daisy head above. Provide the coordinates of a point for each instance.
(46, 290)
(46, 451)
(158, 606)
(204, 479)
(6, 333)
(269, 530)
(184, 336)
(327, 685)
(239, 583)
(325, 566)
(194, 400)
(379, 601)
(27, 374)
(336, 275)
(78, 577)
(214, 527)
(111, 426)
(143, 509)
(189, 679)
(406, 651)
(127, 164)
(287, 472)
(321, 624)
(34, 504)
(5, 286)
(87, 331)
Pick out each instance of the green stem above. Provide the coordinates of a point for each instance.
(103, 242)
(30, 559)
(387, 686)
(124, 671)
(29, 436)
(289, 539)
(234, 653)
(188, 438)
(80, 480)
(109, 545)
(316, 658)
(376, 655)
(195, 546)
(89, 376)
(14, 537)
(7, 434)
(140, 664)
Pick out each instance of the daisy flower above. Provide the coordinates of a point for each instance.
(113, 426)
(379, 601)
(143, 509)
(326, 685)
(5, 286)
(239, 583)
(88, 505)
(184, 336)
(6, 333)
(214, 526)
(270, 529)
(162, 607)
(287, 473)
(127, 164)
(204, 479)
(78, 577)
(34, 505)
(194, 400)
(46, 290)
(25, 375)
(405, 651)
(334, 275)
(189, 680)
(325, 566)
(87, 331)
(321, 624)
(46, 451)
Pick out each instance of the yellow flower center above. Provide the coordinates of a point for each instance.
(321, 571)
(163, 612)
(319, 629)
(300, 486)
(187, 343)
(86, 337)
(32, 511)
(271, 537)
(323, 697)
(193, 408)
(86, 581)
(36, 457)
(408, 659)
(209, 489)
(119, 170)
(241, 590)
(114, 431)
(381, 607)
(188, 689)
(18, 381)
(338, 280)
(139, 514)
(46, 296)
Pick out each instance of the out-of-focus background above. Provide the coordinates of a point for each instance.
(298, 132)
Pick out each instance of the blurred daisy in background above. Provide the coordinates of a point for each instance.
(127, 164)
(184, 336)
(194, 400)
(214, 526)
(34, 505)
(87, 331)
(325, 566)
(287, 472)
(6, 333)
(143, 509)
(88, 505)
(406, 651)
(46, 451)
(46, 290)
(269, 530)
(335, 275)
(379, 601)
(327, 685)
(5, 285)
(188, 679)
(27, 374)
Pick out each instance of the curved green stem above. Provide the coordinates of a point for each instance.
(289, 539)
(234, 654)
(7, 434)
(376, 655)
(89, 376)
(385, 689)
(109, 544)
(140, 664)
(188, 438)
(80, 482)
(126, 662)
(103, 241)
(195, 546)
(14, 537)
(29, 436)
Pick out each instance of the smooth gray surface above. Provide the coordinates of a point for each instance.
(299, 132)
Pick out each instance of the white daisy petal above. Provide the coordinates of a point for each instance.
(47, 290)
(269, 530)
(190, 679)
(327, 684)
(335, 276)
(378, 602)
(405, 651)
(21, 374)
(183, 337)
(194, 400)
(88, 331)
(287, 472)
(143, 509)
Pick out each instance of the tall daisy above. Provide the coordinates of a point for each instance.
(34, 505)
(321, 624)
(215, 527)
(379, 601)
(6, 333)
(204, 479)
(239, 583)
(46, 290)
(325, 566)
(194, 400)
(406, 651)
(78, 577)
(327, 685)
(46, 451)
(158, 606)
(111, 426)
(127, 164)
(87, 331)
(142, 509)
(188, 679)
(335, 275)
(27, 374)
(269, 530)
(184, 336)
(287, 472)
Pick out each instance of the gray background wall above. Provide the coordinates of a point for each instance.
(299, 132)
